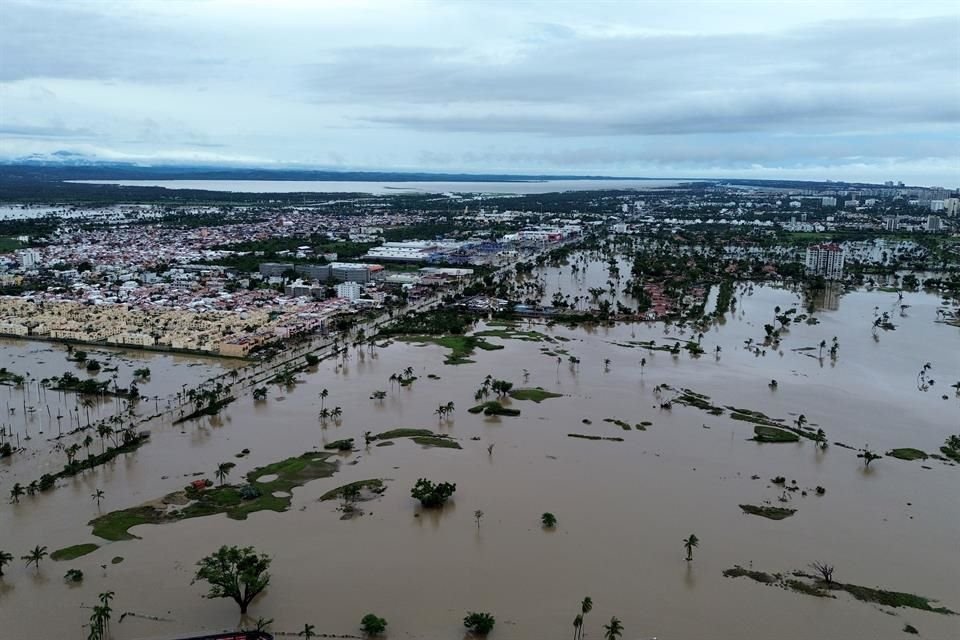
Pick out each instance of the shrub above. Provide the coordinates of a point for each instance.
(479, 623)
(373, 625)
(432, 495)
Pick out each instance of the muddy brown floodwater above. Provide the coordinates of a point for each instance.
(624, 508)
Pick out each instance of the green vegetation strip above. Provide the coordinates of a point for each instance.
(461, 347)
(423, 437)
(907, 454)
(773, 513)
(536, 395)
(511, 334)
(74, 552)
(588, 437)
(493, 408)
(773, 434)
(237, 502)
(814, 586)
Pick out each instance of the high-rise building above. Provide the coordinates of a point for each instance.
(951, 206)
(891, 223)
(349, 290)
(933, 223)
(828, 201)
(28, 258)
(825, 260)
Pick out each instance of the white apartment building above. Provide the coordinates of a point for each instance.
(349, 290)
(28, 258)
(825, 260)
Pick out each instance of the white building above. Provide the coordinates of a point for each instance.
(28, 258)
(951, 206)
(825, 260)
(828, 201)
(933, 223)
(891, 223)
(349, 290)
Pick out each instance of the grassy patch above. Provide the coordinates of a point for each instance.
(759, 576)
(437, 441)
(808, 589)
(374, 485)
(889, 598)
(537, 395)
(73, 552)
(620, 423)
(512, 334)
(402, 433)
(773, 513)
(907, 454)
(493, 408)
(340, 445)
(461, 347)
(589, 437)
(763, 433)
(236, 502)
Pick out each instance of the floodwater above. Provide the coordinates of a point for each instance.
(623, 507)
(386, 188)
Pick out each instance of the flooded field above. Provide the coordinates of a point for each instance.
(623, 506)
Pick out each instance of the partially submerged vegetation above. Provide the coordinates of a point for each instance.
(237, 502)
(584, 436)
(423, 437)
(773, 434)
(493, 408)
(536, 394)
(822, 587)
(461, 347)
(772, 513)
(74, 551)
(907, 453)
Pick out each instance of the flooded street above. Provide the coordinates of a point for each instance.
(624, 507)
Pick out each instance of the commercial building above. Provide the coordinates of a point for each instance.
(825, 260)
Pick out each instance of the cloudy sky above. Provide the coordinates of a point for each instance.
(810, 90)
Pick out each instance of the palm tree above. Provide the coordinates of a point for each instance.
(577, 626)
(5, 559)
(689, 544)
(324, 414)
(98, 496)
(477, 515)
(87, 402)
(323, 396)
(223, 470)
(87, 441)
(308, 632)
(613, 630)
(336, 413)
(35, 555)
(15, 493)
(586, 606)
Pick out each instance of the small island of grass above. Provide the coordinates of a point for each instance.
(74, 551)
(537, 394)
(907, 453)
(493, 408)
(773, 513)
(763, 433)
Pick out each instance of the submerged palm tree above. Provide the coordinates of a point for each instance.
(98, 496)
(308, 632)
(223, 470)
(5, 559)
(613, 630)
(689, 544)
(35, 555)
(323, 396)
(586, 606)
(577, 626)
(15, 493)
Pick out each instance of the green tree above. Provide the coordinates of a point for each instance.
(548, 520)
(98, 496)
(5, 559)
(432, 495)
(16, 492)
(308, 632)
(323, 396)
(478, 515)
(613, 630)
(35, 555)
(235, 572)
(373, 625)
(689, 544)
(479, 623)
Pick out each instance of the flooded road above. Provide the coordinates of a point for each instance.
(623, 508)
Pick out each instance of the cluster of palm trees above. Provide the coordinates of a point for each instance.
(613, 630)
(499, 387)
(404, 378)
(444, 410)
(100, 619)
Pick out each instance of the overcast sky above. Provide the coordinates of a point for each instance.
(807, 90)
